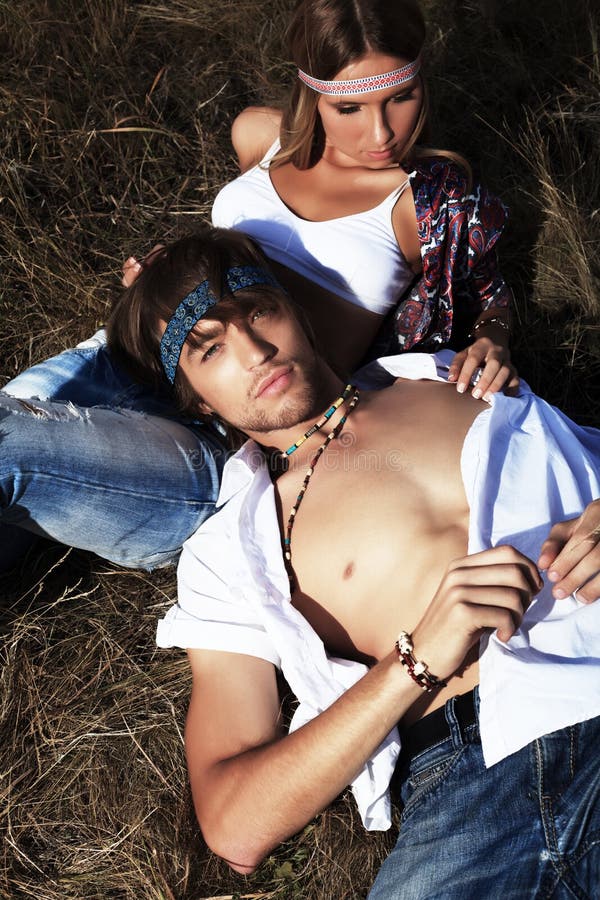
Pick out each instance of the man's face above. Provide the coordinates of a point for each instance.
(252, 364)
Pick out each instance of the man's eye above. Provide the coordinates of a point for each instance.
(260, 312)
(210, 352)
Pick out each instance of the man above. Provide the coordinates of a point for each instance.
(411, 510)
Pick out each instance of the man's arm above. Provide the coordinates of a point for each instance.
(253, 787)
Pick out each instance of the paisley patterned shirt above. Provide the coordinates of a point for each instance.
(458, 228)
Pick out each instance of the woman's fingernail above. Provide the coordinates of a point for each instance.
(553, 576)
(559, 594)
(461, 388)
(477, 393)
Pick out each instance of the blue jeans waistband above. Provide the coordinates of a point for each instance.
(448, 722)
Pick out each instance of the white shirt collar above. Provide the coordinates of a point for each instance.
(239, 471)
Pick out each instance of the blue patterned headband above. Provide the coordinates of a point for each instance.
(193, 307)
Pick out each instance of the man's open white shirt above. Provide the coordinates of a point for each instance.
(524, 467)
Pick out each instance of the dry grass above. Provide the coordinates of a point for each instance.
(115, 121)
(95, 797)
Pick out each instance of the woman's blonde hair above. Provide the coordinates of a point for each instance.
(323, 38)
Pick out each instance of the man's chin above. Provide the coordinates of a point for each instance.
(286, 414)
(265, 425)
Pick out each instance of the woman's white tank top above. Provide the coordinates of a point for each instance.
(356, 257)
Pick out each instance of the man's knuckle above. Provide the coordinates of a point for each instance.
(516, 555)
(506, 553)
(518, 596)
(522, 585)
(455, 593)
(461, 613)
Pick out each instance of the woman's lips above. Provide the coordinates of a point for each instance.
(380, 154)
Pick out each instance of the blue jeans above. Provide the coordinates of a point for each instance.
(528, 827)
(100, 463)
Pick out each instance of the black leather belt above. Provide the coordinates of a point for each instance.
(433, 728)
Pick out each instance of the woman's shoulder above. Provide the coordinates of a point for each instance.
(253, 131)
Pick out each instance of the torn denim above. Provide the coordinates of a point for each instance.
(99, 463)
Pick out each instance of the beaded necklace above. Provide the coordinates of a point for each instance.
(318, 425)
(287, 542)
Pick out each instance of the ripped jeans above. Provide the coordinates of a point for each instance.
(100, 463)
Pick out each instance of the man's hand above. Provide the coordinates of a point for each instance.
(484, 591)
(492, 356)
(571, 554)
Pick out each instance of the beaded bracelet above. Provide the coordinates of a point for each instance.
(417, 669)
(493, 320)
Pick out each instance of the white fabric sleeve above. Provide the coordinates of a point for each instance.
(210, 616)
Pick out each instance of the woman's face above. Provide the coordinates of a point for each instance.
(370, 130)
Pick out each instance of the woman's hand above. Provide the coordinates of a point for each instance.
(132, 266)
(571, 554)
(482, 592)
(492, 356)
(131, 269)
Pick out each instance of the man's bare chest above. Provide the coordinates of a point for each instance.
(384, 513)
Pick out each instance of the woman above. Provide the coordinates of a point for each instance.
(338, 190)
(390, 237)
(359, 219)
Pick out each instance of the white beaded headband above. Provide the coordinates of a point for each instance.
(362, 85)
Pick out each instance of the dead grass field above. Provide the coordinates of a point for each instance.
(115, 119)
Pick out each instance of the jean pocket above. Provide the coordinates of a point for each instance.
(425, 775)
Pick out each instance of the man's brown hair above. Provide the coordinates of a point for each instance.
(138, 318)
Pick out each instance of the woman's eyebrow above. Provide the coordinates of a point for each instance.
(347, 101)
